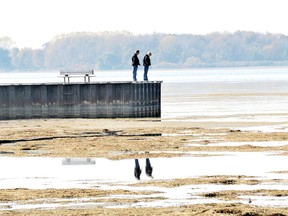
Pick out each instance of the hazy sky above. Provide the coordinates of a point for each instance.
(31, 23)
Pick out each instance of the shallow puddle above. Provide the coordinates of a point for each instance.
(260, 144)
(41, 172)
(267, 129)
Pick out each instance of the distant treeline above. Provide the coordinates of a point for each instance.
(113, 50)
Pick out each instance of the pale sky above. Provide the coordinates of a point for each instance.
(31, 23)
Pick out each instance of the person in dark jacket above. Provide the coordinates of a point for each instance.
(134, 64)
(146, 64)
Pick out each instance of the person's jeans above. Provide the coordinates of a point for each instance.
(146, 73)
(135, 68)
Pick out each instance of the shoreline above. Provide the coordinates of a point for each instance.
(127, 137)
(118, 139)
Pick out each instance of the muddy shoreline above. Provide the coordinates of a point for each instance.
(118, 139)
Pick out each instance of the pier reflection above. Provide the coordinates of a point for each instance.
(78, 161)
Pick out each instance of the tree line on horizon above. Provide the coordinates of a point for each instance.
(113, 51)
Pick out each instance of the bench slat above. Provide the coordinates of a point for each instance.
(77, 72)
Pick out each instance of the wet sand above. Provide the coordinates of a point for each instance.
(136, 138)
(126, 138)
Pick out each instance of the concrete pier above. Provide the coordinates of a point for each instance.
(81, 100)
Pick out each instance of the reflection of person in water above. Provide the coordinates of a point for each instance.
(137, 170)
(148, 168)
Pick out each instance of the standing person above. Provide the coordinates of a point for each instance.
(135, 63)
(146, 64)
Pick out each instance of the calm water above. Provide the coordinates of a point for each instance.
(234, 94)
(43, 172)
(234, 75)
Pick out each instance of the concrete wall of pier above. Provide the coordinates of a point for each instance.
(93, 100)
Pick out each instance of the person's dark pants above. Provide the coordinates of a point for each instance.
(146, 68)
(135, 68)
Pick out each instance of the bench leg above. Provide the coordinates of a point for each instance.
(86, 79)
(68, 79)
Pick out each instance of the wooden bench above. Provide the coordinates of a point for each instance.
(67, 74)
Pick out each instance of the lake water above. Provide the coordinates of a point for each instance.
(234, 94)
(234, 75)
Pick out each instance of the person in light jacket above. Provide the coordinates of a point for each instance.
(146, 64)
